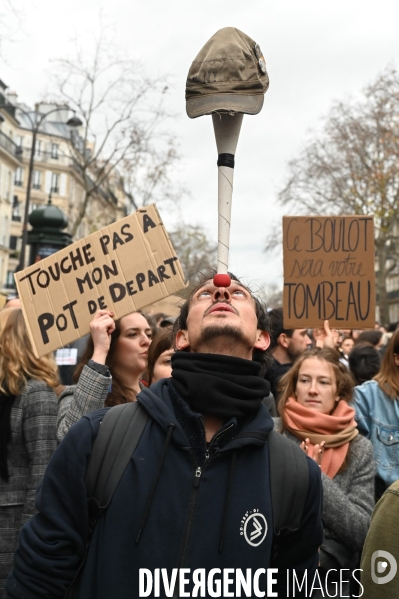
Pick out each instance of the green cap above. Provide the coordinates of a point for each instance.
(228, 74)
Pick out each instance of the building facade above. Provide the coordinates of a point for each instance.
(57, 176)
(10, 162)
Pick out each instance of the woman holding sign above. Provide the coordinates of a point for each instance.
(315, 414)
(110, 370)
(28, 413)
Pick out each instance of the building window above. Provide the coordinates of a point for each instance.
(10, 280)
(4, 229)
(13, 242)
(55, 183)
(9, 185)
(16, 216)
(19, 140)
(36, 179)
(54, 151)
(38, 149)
(18, 177)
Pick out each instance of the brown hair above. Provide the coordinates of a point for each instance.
(17, 360)
(388, 377)
(163, 341)
(119, 393)
(342, 376)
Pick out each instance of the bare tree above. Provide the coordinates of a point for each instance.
(352, 167)
(271, 295)
(11, 18)
(194, 250)
(122, 141)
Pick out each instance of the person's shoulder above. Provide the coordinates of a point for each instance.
(34, 385)
(393, 489)
(38, 392)
(367, 388)
(362, 448)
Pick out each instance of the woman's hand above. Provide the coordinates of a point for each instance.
(316, 453)
(325, 337)
(101, 328)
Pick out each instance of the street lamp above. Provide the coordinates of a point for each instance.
(73, 122)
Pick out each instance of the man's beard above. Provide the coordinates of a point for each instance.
(218, 331)
(293, 354)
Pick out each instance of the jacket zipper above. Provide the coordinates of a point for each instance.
(196, 483)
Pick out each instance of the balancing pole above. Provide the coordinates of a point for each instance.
(227, 130)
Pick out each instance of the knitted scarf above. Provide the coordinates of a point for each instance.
(6, 402)
(218, 385)
(336, 430)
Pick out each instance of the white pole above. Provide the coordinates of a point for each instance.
(227, 130)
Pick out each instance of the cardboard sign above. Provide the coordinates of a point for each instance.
(3, 300)
(122, 267)
(329, 271)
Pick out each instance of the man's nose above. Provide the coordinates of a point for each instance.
(222, 293)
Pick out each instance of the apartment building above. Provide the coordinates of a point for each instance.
(10, 161)
(56, 176)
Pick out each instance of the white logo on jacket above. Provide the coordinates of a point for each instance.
(253, 527)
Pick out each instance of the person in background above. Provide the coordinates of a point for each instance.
(286, 345)
(28, 413)
(160, 356)
(377, 413)
(347, 344)
(364, 362)
(372, 336)
(13, 301)
(316, 415)
(117, 350)
(382, 535)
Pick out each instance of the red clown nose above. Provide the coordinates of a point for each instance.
(222, 280)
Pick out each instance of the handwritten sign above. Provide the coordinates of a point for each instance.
(329, 271)
(3, 300)
(122, 267)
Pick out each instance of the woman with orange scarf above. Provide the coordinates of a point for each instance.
(315, 414)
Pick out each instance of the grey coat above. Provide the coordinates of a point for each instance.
(348, 498)
(33, 440)
(77, 400)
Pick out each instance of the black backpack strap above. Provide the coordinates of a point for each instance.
(289, 482)
(120, 431)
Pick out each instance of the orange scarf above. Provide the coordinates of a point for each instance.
(336, 430)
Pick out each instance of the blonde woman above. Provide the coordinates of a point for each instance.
(28, 414)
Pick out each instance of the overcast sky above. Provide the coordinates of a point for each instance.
(316, 52)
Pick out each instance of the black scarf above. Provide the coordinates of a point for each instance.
(218, 385)
(6, 402)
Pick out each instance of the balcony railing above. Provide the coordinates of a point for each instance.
(8, 144)
(48, 157)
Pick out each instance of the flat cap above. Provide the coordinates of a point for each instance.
(228, 74)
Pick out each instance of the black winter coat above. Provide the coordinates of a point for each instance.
(214, 514)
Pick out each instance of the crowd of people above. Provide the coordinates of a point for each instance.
(332, 393)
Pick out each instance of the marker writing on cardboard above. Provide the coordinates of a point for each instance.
(118, 291)
(333, 234)
(340, 300)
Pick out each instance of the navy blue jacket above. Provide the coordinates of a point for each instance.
(184, 527)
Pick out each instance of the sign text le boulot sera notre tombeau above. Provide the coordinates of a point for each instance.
(329, 271)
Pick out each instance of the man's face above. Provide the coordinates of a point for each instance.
(222, 320)
(297, 343)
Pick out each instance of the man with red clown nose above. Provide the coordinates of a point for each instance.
(212, 501)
